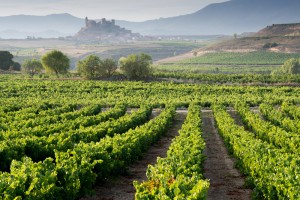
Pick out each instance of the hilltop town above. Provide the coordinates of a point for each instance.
(105, 30)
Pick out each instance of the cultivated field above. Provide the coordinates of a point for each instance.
(255, 62)
(64, 139)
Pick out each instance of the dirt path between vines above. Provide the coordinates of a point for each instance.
(121, 187)
(226, 182)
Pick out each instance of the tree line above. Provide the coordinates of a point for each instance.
(134, 66)
(7, 63)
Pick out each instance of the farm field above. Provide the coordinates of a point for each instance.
(255, 62)
(70, 139)
(243, 58)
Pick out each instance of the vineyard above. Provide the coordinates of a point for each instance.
(257, 62)
(247, 58)
(60, 139)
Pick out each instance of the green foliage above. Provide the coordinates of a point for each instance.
(110, 66)
(179, 175)
(291, 66)
(230, 78)
(279, 119)
(30, 180)
(270, 45)
(248, 58)
(32, 67)
(267, 131)
(273, 172)
(15, 66)
(6, 60)
(57, 140)
(92, 67)
(136, 66)
(57, 62)
(293, 111)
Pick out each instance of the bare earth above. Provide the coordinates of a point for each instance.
(121, 187)
(226, 181)
(234, 114)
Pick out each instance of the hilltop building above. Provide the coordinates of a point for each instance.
(105, 30)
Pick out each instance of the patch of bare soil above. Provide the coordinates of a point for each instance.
(226, 182)
(255, 110)
(234, 114)
(121, 187)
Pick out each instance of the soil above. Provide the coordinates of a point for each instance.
(234, 114)
(226, 182)
(121, 187)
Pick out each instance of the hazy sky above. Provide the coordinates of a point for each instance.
(133, 10)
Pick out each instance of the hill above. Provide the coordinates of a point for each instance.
(276, 38)
(235, 16)
(273, 42)
(56, 25)
(280, 30)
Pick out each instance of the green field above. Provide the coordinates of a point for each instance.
(259, 62)
(215, 69)
(249, 58)
(60, 137)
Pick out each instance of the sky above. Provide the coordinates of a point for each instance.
(131, 10)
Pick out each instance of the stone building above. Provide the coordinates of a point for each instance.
(105, 30)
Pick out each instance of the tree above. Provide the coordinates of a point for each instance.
(136, 66)
(270, 45)
(235, 35)
(32, 67)
(15, 67)
(110, 66)
(57, 62)
(291, 66)
(6, 60)
(90, 67)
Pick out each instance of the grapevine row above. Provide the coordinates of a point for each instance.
(39, 148)
(179, 175)
(75, 122)
(266, 131)
(18, 123)
(279, 119)
(273, 173)
(291, 110)
(74, 172)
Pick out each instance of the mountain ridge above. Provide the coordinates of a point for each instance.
(64, 24)
(235, 16)
(226, 18)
